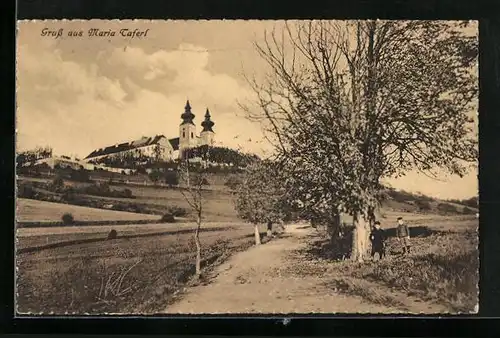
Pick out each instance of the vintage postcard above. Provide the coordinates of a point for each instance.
(272, 167)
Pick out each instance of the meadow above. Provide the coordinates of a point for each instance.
(218, 203)
(29, 210)
(75, 269)
(443, 266)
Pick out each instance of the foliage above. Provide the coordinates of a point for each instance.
(31, 156)
(472, 202)
(349, 103)
(233, 182)
(57, 184)
(423, 205)
(447, 208)
(221, 155)
(260, 198)
(103, 189)
(468, 211)
(155, 176)
(168, 218)
(171, 177)
(112, 234)
(26, 190)
(67, 219)
(80, 175)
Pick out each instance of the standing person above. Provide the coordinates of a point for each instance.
(378, 241)
(403, 233)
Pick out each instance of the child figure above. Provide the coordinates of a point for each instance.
(404, 235)
(378, 238)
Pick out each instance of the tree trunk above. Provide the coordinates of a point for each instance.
(198, 245)
(269, 229)
(257, 234)
(360, 242)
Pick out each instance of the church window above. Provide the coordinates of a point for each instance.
(192, 136)
(183, 133)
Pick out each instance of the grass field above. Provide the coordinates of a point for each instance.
(133, 274)
(218, 204)
(40, 211)
(76, 270)
(443, 266)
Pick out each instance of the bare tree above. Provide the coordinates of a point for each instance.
(349, 103)
(194, 180)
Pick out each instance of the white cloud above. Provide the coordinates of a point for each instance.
(77, 108)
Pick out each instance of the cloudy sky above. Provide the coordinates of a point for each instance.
(78, 94)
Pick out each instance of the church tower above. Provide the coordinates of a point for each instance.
(207, 134)
(187, 130)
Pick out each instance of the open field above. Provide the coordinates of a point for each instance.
(443, 266)
(40, 211)
(39, 237)
(84, 278)
(218, 203)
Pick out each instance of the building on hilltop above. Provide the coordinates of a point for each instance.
(159, 146)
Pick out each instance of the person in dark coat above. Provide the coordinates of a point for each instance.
(378, 241)
(403, 233)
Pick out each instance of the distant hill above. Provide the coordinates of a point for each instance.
(407, 201)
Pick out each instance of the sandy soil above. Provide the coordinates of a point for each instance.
(270, 279)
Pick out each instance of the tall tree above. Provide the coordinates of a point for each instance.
(260, 198)
(349, 103)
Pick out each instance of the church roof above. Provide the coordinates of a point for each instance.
(207, 124)
(142, 142)
(187, 116)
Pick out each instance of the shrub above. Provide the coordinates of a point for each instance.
(168, 218)
(112, 234)
(67, 219)
(468, 211)
(446, 208)
(171, 178)
(177, 211)
(423, 205)
(127, 193)
(57, 184)
(80, 175)
(26, 190)
(233, 182)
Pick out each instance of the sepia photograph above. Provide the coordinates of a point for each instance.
(168, 167)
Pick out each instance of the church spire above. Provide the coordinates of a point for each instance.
(207, 124)
(187, 116)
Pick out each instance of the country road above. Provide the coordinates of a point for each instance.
(270, 279)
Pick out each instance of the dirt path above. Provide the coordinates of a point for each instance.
(271, 279)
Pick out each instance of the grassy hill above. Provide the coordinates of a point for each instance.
(139, 194)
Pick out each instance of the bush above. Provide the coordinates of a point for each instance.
(26, 190)
(168, 218)
(171, 178)
(423, 205)
(177, 211)
(233, 182)
(446, 208)
(67, 219)
(57, 184)
(468, 211)
(127, 193)
(80, 175)
(112, 234)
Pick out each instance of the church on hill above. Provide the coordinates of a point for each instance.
(160, 146)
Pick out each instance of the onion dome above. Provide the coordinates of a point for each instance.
(207, 124)
(187, 116)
